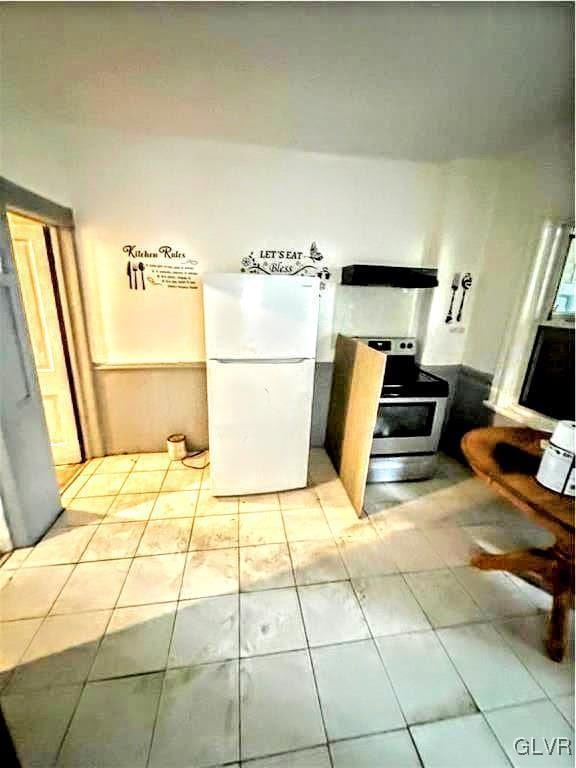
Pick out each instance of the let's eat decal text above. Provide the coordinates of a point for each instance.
(166, 267)
(287, 261)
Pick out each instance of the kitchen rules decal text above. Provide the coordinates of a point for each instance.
(165, 267)
(287, 262)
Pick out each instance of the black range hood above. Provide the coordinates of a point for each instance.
(396, 277)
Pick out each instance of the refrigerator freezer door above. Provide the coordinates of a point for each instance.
(259, 417)
(260, 316)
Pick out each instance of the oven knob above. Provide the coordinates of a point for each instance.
(410, 345)
(402, 345)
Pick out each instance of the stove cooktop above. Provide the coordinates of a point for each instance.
(402, 376)
(420, 384)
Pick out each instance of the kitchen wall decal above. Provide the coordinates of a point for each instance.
(287, 262)
(458, 281)
(454, 290)
(166, 267)
(466, 285)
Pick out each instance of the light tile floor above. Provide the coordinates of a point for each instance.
(158, 626)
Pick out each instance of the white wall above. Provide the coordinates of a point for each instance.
(491, 218)
(34, 154)
(468, 203)
(217, 202)
(532, 185)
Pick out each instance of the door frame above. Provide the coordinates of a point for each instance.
(68, 294)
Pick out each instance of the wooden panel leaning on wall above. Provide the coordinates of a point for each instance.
(356, 387)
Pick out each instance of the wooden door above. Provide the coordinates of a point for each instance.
(37, 290)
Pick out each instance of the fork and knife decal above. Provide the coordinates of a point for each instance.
(133, 270)
(465, 283)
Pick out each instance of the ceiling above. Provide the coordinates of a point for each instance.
(425, 81)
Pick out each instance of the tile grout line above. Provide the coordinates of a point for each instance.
(182, 517)
(516, 705)
(377, 649)
(81, 485)
(348, 739)
(515, 589)
(83, 466)
(10, 673)
(156, 714)
(271, 654)
(274, 589)
(163, 672)
(175, 619)
(511, 648)
(147, 521)
(484, 620)
(413, 742)
(250, 761)
(497, 739)
(289, 549)
(99, 645)
(434, 630)
(427, 615)
(408, 726)
(85, 683)
(570, 724)
(240, 657)
(447, 652)
(309, 652)
(134, 471)
(53, 603)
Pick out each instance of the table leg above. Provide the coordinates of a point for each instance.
(557, 571)
(558, 628)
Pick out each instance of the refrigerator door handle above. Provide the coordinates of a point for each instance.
(259, 361)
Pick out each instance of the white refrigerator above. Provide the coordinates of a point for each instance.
(260, 333)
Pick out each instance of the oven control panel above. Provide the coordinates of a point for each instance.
(392, 345)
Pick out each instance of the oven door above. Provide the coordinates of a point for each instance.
(408, 425)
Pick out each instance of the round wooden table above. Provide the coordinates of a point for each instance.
(507, 459)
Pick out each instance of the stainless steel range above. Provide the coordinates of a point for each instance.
(410, 415)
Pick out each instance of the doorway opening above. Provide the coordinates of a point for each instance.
(36, 250)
